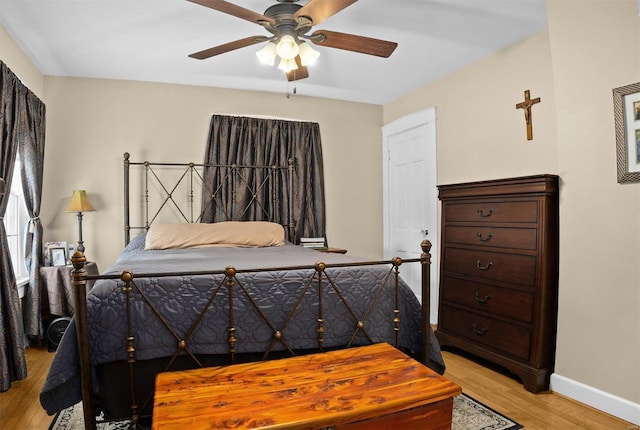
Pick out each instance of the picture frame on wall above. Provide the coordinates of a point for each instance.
(626, 107)
(58, 256)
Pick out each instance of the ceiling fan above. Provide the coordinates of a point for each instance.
(289, 24)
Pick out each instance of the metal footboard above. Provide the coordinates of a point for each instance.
(228, 285)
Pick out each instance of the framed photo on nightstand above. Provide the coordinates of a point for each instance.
(48, 246)
(58, 256)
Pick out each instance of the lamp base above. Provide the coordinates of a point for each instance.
(80, 241)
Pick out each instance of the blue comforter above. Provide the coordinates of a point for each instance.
(181, 298)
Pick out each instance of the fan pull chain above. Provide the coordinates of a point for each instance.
(295, 88)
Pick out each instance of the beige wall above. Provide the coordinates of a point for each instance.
(92, 122)
(595, 46)
(480, 133)
(20, 64)
(590, 48)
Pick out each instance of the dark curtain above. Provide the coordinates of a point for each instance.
(13, 365)
(266, 142)
(31, 150)
(21, 129)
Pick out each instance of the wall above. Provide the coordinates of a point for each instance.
(20, 64)
(92, 122)
(480, 133)
(595, 46)
(590, 48)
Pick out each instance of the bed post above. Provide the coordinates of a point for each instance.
(127, 225)
(290, 221)
(79, 283)
(425, 261)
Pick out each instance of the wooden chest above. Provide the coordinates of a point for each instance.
(499, 273)
(366, 387)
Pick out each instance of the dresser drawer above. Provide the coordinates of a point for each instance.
(485, 331)
(526, 211)
(500, 237)
(510, 268)
(505, 302)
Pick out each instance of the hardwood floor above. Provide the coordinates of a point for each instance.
(506, 395)
(20, 406)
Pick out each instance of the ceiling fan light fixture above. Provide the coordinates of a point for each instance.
(289, 25)
(308, 55)
(287, 65)
(267, 55)
(287, 47)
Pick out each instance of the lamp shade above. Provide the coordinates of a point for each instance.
(267, 55)
(308, 55)
(80, 202)
(287, 65)
(287, 47)
(1, 186)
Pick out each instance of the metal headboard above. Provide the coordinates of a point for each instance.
(189, 184)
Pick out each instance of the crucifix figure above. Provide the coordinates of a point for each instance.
(526, 106)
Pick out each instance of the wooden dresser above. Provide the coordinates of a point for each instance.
(499, 273)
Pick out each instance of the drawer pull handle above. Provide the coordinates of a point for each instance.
(482, 213)
(481, 300)
(482, 332)
(487, 267)
(484, 239)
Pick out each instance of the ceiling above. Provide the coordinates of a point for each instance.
(150, 40)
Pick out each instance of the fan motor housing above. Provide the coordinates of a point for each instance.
(285, 23)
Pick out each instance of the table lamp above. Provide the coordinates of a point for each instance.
(80, 203)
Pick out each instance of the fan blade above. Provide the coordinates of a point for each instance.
(301, 73)
(319, 10)
(351, 42)
(221, 49)
(235, 10)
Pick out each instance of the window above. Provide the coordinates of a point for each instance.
(15, 222)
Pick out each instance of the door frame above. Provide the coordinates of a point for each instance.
(399, 125)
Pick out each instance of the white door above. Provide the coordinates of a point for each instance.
(410, 196)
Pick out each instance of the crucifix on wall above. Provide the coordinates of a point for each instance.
(526, 106)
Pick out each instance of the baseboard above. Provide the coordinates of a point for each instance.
(598, 399)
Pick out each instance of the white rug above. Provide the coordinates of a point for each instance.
(468, 414)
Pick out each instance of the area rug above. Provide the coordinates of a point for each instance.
(468, 414)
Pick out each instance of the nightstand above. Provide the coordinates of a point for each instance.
(57, 291)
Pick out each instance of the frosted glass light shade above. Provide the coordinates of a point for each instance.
(287, 48)
(308, 55)
(287, 65)
(267, 55)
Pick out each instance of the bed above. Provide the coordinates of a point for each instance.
(223, 297)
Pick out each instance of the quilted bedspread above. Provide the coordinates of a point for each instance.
(180, 299)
